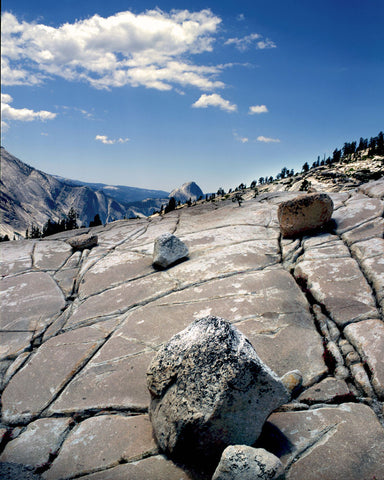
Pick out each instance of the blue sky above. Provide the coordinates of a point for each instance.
(154, 94)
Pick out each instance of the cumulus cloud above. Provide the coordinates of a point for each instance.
(104, 139)
(152, 49)
(248, 41)
(267, 139)
(257, 109)
(214, 100)
(239, 138)
(21, 114)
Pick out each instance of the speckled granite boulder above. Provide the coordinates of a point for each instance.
(168, 249)
(241, 462)
(81, 242)
(209, 390)
(304, 213)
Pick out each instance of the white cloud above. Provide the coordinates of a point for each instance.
(214, 100)
(267, 139)
(22, 114)
(104, 139)
(246, 42)
(257, 109)
(264, 44)
(240, 138)
(151, 49)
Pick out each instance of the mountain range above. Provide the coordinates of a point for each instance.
(30, 197)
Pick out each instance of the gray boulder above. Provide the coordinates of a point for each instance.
(16, 471)
(209, 389)
(304, 214)
(168, 249)
(240, 462)
(81, 242)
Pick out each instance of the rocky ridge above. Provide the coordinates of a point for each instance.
(188, 191)
(79, 329)
(29, 196)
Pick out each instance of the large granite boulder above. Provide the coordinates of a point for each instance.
(81, 242)
(168, 250)
(305, 213)
(209, 389)
(241, 462)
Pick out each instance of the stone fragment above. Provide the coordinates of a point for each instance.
(81, 242)
(371, 229)
(343, 443)
(361, 378)
(328, 282)
(292, 380)
(113, 269)
(240, 462)
(15, 366)
(168, 249)
(119, 299)
(373, 268)
(357, 210)
(304, 213)
(51, 255)
(238, 257)
(374, 188)
(43, 378)
(341, 372)
(327, 391)
(28, 300)
(16, 471)
(113, 378)
(66, 280)
(209, 389)
(368, 339)
(157, 467)
(351, 358)
(14, 343)
(40, 440)
(332, 350)
(102, 442)
(16, 257)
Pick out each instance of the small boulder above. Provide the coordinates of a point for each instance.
(240, 462)
(304, 214)
(209, 389)
(81, 242)
(168, 250)
(292, 381)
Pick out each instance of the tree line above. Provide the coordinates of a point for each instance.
(68, 222)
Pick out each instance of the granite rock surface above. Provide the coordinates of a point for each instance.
(79, 330)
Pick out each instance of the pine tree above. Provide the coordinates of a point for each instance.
(71, 220)
(96, 221)
(380, 144)
(171, 205)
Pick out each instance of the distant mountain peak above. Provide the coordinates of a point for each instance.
(189, 190)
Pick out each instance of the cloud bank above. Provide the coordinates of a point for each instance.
(152, 49)
(20, 114)
(215, 100)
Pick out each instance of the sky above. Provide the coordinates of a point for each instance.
(153, 94)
